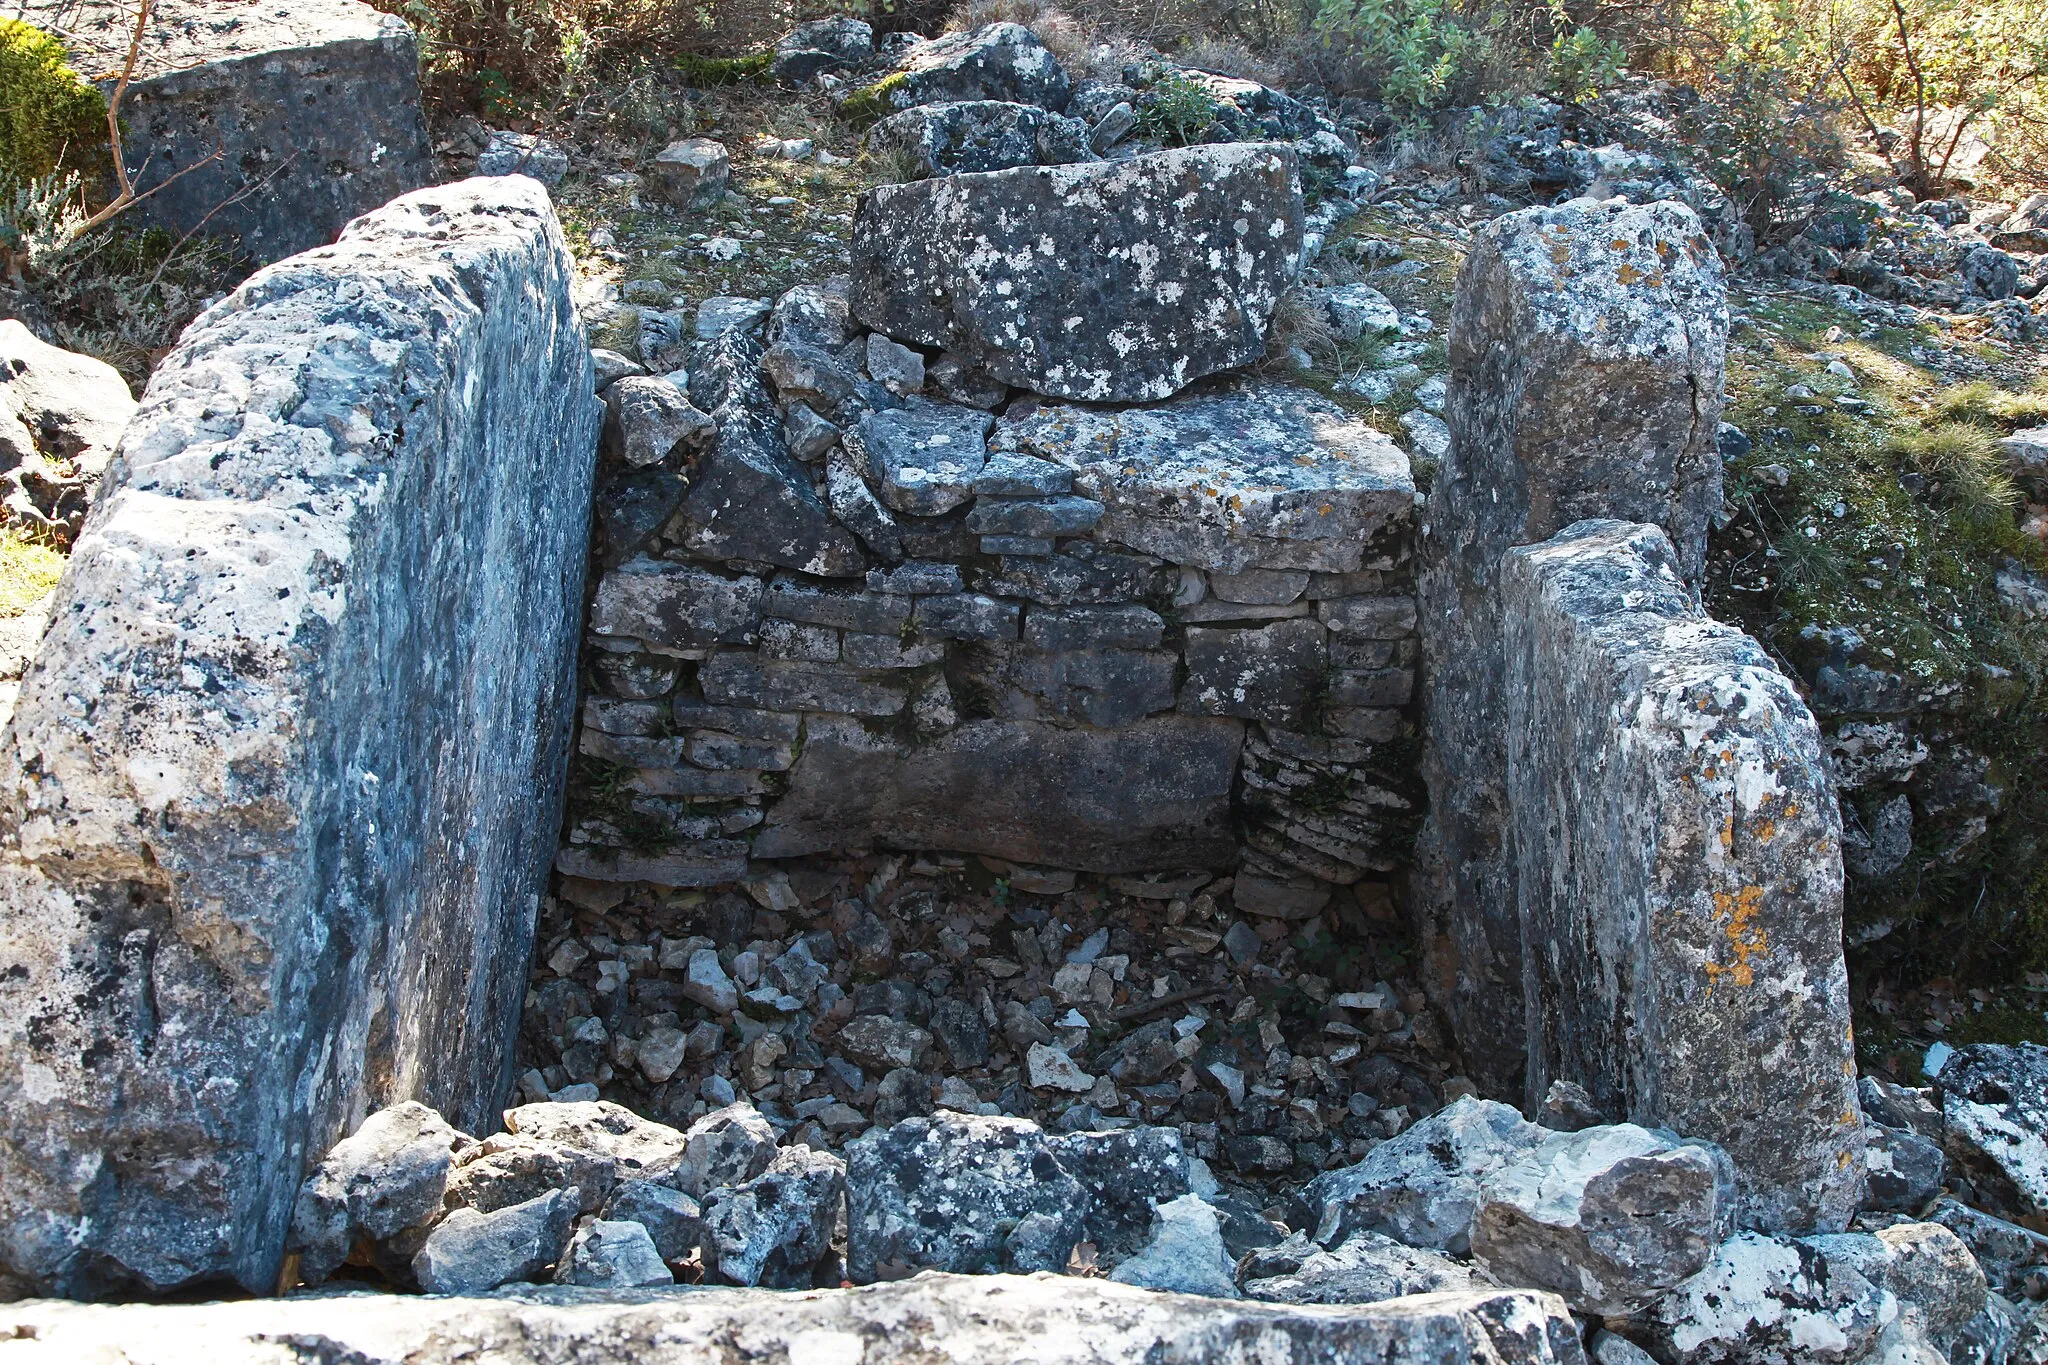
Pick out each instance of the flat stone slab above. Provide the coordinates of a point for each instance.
(1116, 281)
(1268, 477)
(1050, 1319)
(282, 787)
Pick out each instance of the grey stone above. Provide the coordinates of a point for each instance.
(678, 605)
(510, 153)
(663, 342)
(994, 62)
(1689, 979)
(646, 420)
(342, 792)
(885, 1044)
(741, 679)
(980, 135)
(1902, 1170)
(724, 313)
(1081, 574)
(1769, 1302)
(1149, 795)
(1608, 1218)
(1042, 518)
(612, 1255)
(1260, 587)
(922, 458)
(817, 315)
(1585, 381)
(820, 46)
(1991, 1338)
(274, 130)
(1925, 1266)
(674, 1221)
(1427, 434)
(60, 417)
(1608, 1349)
(1268, 477)
(1127, 1172)
(1117, 122)
(1106, 687)
(830, 604)
(1989, 273)
(789, 640)
(701, 862)
(1187, 250)
(705, 981)
(1366, 1268)
(1994, 1105)
(1124, 626)
(966, 616)
(1423, 1187)
(513, 1170)
(1898, 1106)
(748, 499)
(728, 1146)
(640, 1149)
(856, 505)
(1022, 476)
(773, 1229)
(692, 172)
(1272, 673)
(632, 508)
(387, 1176)
(1186, 1254)
(470, 1252)
(917, 576)
(958, 380)
(1052, 1319)
(2006, 1251)
(893, 365)
(1360, 310)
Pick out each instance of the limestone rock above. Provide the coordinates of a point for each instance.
(1186, 1254)
(674, 1221)
(60, 416)
(1126, 1172)
(387, 1176)
(1152, 794)
(994, 62)
(646, 420)
(640, 1149)
(924, 457)
(980, 135)
(1994, 1101)
(608, 1255)
(1585, 381)
(1685, 967)
(512, 1170)
(510, 153)
(820, 46)
(1273, 673)
(1423, 1187)
(818, 315)
(1607, 1218)
(1177, 258)
(1359, 310)
(1902, 1170)
(728, 1146)
(470, 1252)
(774, 1228)
(273, 822)
(1266, 477)
(677, 605)
(1366, 1268)
(1925, 1266)
(1767, 1302)
(273, 129)
(2005, 1251)
(1052, 1319)
(692, 172)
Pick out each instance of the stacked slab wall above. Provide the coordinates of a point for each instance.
(281, 789)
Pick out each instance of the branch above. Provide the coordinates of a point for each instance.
(1919, 93)
(127, 197)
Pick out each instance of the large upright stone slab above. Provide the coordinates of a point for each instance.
(1116, 281)
(279, 122)
(279, 797)
(1587, 348)
(1678, 867)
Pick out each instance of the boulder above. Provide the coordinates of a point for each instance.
(1185, 1255)
(608, 1255)
(639, 1149)
(995, 62)
(1585, 381)
(728, 1146)
(1925, 1266)
(980, 135)
(692, 172)
(387, 1176)
(1173, 261)
(1359, 310)
(1994, 1103)
(274, 823)
(1127, 1173)
(1050, 1319)
(60, 416)
(1764, 1301)
(274, 128)
(1365, 1268)
(1607, 1218)
(773, 1229)
(1269, 476)
(1423, 1187)
(1684, 966)
(470, 1252)
(822, 46)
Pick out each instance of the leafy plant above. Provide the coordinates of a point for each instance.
(1420, 54)
(1582, 63)
(1176, 110)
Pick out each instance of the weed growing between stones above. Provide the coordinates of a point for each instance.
(29, 568)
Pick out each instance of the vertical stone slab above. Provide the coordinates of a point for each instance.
(1587, 345)
(1678, 872)
(280, 794)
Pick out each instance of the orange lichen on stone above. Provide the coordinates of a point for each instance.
(1627, 273)
(1737, 914)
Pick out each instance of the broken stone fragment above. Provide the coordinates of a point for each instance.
(1762, 1301)
(728, 1146)
(773, 1229)
(692, 172)
(856, 505)
(1187, 250)
(979, 135)
(387, 1176)
(640, 1149)
(512, 1170)
(679, 605)
(1186, 1254)
(1272, 673)
(674, 1221)
(1424, 1186)
(612, 1255)
(1925, 1266)
(1365, 1268)
(1359, 310)
(60, 417)
(647, 420)
(1994, 1103)
(822, 45)
(995, 62)
(817, 315)
(924, 457)
(472, 1253)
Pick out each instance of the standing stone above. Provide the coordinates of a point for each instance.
(1108, 281)
(1683, 960)
(274, 127)
(692, 172)
(282, 788)
(1587, 349)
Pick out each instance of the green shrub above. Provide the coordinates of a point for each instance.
(48, 113)
(1176, 110)
(1415, 55)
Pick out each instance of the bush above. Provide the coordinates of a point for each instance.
(49, 115)
(1176, 110)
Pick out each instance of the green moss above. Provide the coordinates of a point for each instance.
(873, 103)
(706, 72)
(48, 113)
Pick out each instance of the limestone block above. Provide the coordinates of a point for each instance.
(1678, 858)
(1173, 261)
(994, 62)
(1587, 348)
(280, 122)
(282, 785)
(980, 135)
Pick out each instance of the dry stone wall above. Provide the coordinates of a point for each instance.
(281, 788)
